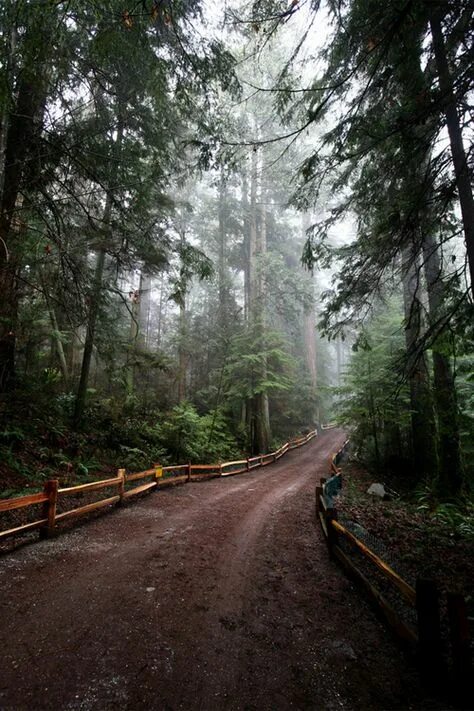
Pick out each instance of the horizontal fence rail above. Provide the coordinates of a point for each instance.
(425, 634)
(125, 486)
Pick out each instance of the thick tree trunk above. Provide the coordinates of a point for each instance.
(144, 312)
(160, 311)
(246, 244)
(309, 331)
(450, 467)
(182, 347)
(182, 354)
(262, 405)
(24, 125)
(8, 72)
(461, 168)
(253, 234)
(222, 276)
(422, 416)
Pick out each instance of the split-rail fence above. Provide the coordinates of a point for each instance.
(118, 486)
(443, 648)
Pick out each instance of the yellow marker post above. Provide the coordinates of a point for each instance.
(158, 472)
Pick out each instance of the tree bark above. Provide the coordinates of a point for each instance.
(23, 128)
(135, 300)
(450, 467)
(461, 168)
(262, 405)
(222, 276)
(422, 416)
(182, 347)
(144, 311)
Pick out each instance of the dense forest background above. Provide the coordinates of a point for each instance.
(223, 224)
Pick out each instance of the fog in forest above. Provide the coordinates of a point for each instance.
(226, 224)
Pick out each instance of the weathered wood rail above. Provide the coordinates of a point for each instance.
(436, 656)
(119, 487)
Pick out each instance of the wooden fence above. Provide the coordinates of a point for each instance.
(120, 491)
(436, 655)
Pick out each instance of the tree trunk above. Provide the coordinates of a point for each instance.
(144, 311)
(160, 311)
(246, 244)
(339, 360)
(133, 341)
(58, 344)
(450, 468)
(262, 406)
(183, 332)
(21, 135)
(94, 307)
(96, 295)
(222, 216)
(8, 80)
(461, 168)
(422, 417)
(182, 354)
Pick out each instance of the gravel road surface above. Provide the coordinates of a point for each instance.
(213, 595)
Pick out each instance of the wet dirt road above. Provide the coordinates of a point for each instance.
(214, 595)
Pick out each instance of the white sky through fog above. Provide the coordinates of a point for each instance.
(260, 72)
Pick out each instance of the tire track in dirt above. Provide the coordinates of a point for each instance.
(215, 595)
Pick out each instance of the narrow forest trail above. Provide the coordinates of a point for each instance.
(215, 595)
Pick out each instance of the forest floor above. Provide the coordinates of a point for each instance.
(421, 538)
(214, 595)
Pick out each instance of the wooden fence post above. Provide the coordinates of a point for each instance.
(121, 486)
(189, 471)
(319, 493)
(248, 464)
(49, 508)
(331, 515)
(460, 648)
(429, 634)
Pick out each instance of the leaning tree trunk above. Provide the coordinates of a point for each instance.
(422, 416)
(461, 168)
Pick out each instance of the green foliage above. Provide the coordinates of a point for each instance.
(374, 402)
(190, 437)
(258, 363)
(457, 518)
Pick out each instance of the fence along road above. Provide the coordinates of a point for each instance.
(215, 596)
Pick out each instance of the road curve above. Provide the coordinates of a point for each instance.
(209, 596)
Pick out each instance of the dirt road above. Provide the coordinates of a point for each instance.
(214, 595)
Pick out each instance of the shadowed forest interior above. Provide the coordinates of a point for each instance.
(223, 224)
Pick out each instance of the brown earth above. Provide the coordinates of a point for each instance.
(214, 595)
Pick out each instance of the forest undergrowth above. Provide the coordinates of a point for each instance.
(39, 442)
(416, 534)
